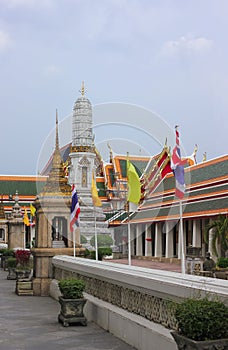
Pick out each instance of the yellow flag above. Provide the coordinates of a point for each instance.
(26, 219)
(134, 186)
(32, 209)
(96, 199)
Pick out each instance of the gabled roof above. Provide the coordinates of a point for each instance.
(27, 186)
(206, 194)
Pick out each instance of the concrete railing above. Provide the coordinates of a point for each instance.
(136, 297)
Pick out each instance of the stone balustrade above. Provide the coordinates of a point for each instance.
(147, 293)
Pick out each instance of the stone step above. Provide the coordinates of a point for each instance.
(58, 244)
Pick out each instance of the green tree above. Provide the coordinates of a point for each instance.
(219, 229)
(102, 241)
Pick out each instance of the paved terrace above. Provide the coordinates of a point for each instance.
(30, 323)
(149, 264)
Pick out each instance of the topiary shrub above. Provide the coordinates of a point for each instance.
(102, 241)
(83, 239)
(222, 263)
(12, 262)
(101, 252)
(72, 288)
(8, 252)
(202, 319)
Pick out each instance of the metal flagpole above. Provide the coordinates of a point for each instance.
(129, 241)
(74, 240)
(95, 228)
(182, 240)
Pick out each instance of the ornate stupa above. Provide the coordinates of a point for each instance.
(83, 166)
(16, 226)
(57, 184)
(3, 224)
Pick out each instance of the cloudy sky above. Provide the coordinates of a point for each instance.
(170, 57)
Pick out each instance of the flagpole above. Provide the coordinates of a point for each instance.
(74, 241)
(95, 229)
(182, 240)
(129, 240)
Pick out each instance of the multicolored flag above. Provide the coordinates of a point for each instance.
(26, 219)
(177, 165)
(134, 185)
(75, 210)
(95, 197)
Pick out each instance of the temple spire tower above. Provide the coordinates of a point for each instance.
(82, 152)
(83, 157)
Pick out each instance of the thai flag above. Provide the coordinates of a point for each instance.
(75, 210)
(177, 165)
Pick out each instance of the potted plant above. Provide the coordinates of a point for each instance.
(72, 301)
(12, 263)
(7, 253)
(23, 268)
(202, 324)
(221, 269)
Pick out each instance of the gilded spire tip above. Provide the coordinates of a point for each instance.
(82, 91)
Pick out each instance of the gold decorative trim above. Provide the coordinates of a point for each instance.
(75, 149)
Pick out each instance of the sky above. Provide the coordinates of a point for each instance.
(169, 57)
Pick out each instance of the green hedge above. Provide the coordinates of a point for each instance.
(202, 319)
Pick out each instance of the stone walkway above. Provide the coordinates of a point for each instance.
(149, 264)
(30, 323)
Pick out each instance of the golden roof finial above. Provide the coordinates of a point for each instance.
(195, 149)
(56, 132)
(82, 89)
(204, 157)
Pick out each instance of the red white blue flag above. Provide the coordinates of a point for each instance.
(75, 210)
(177, 166)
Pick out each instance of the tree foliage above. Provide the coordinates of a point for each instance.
(219, 229)
(102, 241)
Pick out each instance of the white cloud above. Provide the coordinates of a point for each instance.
(27, 3)
(52, 69)
(186, 45)
(5, 41)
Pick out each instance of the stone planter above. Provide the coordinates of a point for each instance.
(24, 287)
(221, 274)
(22, 274)
(184, 343)
(11, 273)
(72, 311)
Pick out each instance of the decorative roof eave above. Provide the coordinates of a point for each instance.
(189, 188)
(189, 199)
(190, 211)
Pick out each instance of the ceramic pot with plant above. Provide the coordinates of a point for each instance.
(7, 253)
(23, 269)
(202, 324)
(72, 301)
(12, 263)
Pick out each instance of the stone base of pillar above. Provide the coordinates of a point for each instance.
(42, 266)
(41, 286)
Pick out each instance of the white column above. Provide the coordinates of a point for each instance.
(158, 240)
(139, 240)
(196, 234)
(148, 250)
(133, 227)
(169, 240)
